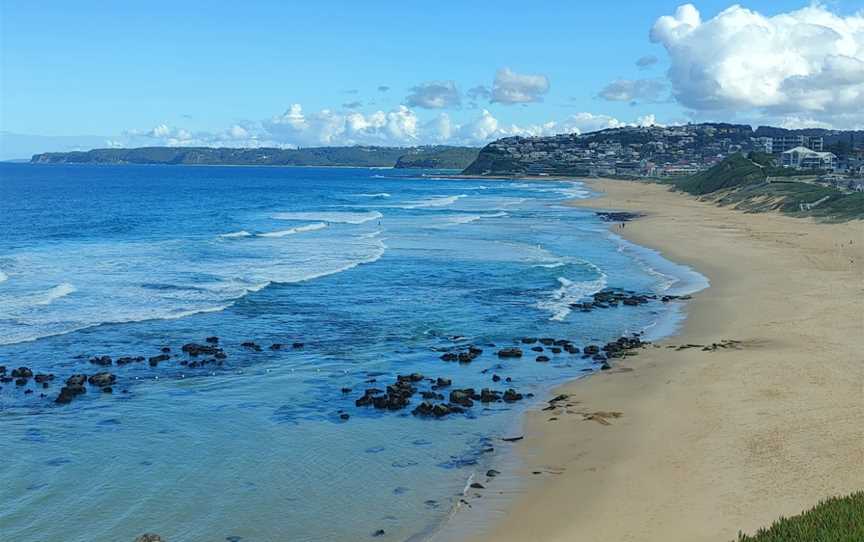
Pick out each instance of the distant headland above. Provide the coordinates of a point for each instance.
(435, 156)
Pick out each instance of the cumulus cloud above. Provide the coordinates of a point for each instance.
(514, 88)
(327, 127)
(434, 95)
(397, 127)
(646, 62)
(633, 90)
(805, 64)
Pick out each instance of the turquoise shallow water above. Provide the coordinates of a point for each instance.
(375, 271)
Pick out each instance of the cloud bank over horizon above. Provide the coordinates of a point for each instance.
(397, 127)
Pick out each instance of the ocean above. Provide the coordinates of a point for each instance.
(377, 272)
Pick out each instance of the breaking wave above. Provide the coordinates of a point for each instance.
(330, 216)
(292, 231)
(236, 234)
(438, 201)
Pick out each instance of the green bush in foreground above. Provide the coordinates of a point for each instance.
(838, 519)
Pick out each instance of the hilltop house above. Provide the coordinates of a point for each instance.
(804, 158)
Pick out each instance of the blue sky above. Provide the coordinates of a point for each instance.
(120, 70)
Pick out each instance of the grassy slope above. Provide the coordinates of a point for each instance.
(741, 182)
(839, 519)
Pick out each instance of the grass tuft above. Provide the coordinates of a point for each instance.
(838, 519)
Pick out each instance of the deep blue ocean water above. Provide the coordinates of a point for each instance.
(375, 271)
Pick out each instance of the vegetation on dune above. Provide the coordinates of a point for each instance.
(838, 519)
(751, 184)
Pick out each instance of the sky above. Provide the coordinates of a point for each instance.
(406, 73)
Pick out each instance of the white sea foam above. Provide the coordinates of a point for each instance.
(236, 234)
(3, 277)
(53, 294)
(558, 302)
(370, 235)
(456, 220)
(293, 231)
(379, 196)
(437, 201)
(330, 216)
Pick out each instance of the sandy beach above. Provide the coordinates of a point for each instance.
(696, 445)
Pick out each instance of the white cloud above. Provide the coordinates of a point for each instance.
(397, 127)
(807, 63)
(434, 95)
(633, 90)
(513, 88)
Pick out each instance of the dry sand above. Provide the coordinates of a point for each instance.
(711, 442)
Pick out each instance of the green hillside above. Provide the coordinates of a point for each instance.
(750, 186)
(356, 156)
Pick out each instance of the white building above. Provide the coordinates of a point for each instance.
(804, 158)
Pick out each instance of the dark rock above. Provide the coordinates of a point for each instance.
(22, 372)
(251, 346)
(297, 346)
(450, 356)
(512, 439)
(212, 340)
(529, 340)
(442, 382)
(76, 380)
(28, 392)
(346, 390)
(127, 360)
(101, 360)
(477, 485)
(166, 349)
(462, 397)
(537, 348)
(542, 359)
(496, 378)
(276, 346)
(20, 381)
(69, 392)
(379, 532)
(605, 367)
(489, 396)
(195, 350)
(107, 389)
(344, 416)
(555, 350)
(511, 396)
(431, 395)
(149, 537)
(102, 379)
(155, 360)
(547, 341)
(591, 350)
(510, 353)
(492, 473)
(423, 409)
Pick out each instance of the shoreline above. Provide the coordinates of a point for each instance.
(708, 442)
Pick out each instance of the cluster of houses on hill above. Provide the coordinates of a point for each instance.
(658, 151)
